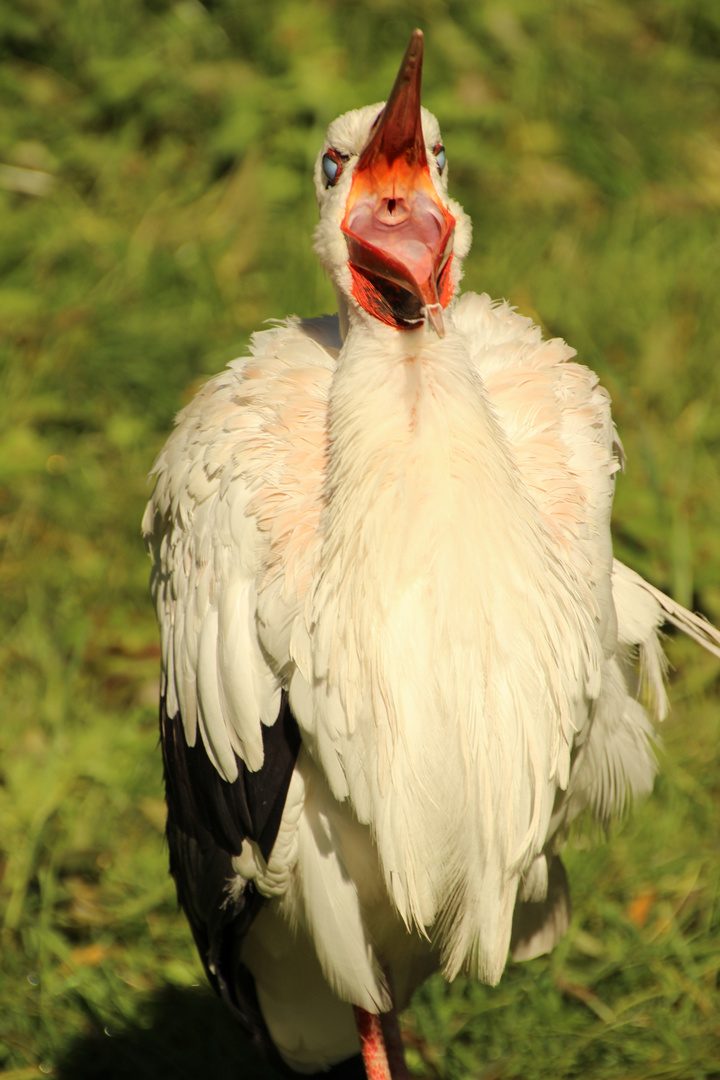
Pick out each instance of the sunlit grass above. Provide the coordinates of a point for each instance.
(156, 208)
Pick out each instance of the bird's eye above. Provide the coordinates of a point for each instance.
(439, 152)
(332, 166)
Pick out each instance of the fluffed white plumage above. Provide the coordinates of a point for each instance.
(404, 539)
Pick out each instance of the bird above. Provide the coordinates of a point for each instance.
(398, 655)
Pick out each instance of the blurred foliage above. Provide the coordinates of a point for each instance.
(157, 206)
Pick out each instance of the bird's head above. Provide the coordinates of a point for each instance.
(391, 238)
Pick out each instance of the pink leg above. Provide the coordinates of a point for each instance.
(381, 1045)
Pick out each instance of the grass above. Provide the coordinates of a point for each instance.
(156, 208)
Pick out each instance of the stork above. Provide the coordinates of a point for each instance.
(398, 656)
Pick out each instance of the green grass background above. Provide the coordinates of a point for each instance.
(155, 207)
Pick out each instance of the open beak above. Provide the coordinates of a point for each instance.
(399, 234)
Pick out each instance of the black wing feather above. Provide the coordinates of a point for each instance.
(208, 820)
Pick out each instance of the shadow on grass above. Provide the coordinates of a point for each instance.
(184, 1035)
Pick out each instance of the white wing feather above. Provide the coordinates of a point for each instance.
(219, 503)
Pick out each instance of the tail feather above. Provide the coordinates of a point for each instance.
(695, 626)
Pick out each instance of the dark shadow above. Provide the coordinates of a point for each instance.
(182, 1035)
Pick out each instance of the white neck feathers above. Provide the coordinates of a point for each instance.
(451, 640)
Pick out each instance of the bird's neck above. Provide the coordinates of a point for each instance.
(437, 631)
(413, 439)
(447, 636)
(429, 532)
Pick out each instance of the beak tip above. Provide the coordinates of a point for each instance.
(414, 52)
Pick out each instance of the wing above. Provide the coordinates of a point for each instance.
(557, 420)
(234, 516)
(204, 834)
(232, 519)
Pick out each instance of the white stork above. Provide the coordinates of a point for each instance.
(398, 657)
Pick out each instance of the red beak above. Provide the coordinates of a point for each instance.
(399, 234)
